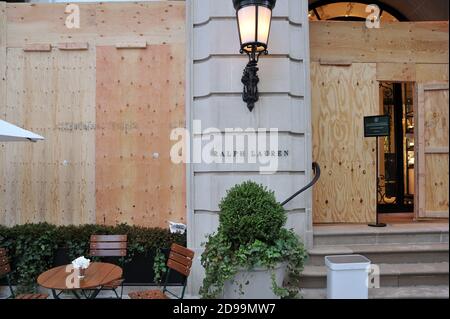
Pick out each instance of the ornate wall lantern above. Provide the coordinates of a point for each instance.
(254, 18)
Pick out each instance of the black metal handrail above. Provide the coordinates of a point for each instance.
(316, 169)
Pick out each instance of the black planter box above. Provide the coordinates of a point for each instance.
(139, 271)
(61, 257)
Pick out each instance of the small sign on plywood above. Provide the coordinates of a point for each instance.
(375, 126)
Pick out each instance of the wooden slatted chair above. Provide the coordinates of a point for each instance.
(110, 246)
(180, 260)
(5, 270)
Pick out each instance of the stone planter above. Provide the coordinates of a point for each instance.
(254, 284)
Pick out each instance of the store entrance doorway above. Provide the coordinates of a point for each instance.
(396, 189)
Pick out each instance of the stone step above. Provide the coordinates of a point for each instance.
(417, 233)
(384, 254)
(391, 275)
(414, 292)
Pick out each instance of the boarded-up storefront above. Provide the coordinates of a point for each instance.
(348, 63)
(105, 95)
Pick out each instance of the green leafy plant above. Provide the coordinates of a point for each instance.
(159, 266)
(251, 234)
(32, 247)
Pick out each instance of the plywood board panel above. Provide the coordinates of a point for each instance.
(157, 22)
(140, 98)
(37, 47)
(432, 116)
(399, 42)
(426, 73)
(341, 97)
(51, 93)
(436, 118)
(338, 197)
(46, 23)
(73, 46)
(396, 72)
(436, 183)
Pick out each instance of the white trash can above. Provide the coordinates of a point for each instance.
(347, 277)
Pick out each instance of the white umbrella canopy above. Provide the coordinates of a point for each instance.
(12, 133)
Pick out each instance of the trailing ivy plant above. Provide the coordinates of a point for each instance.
(159, 266)
(250, 235)
(31, 248)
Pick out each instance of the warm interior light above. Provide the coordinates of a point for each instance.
(248, 26)
(341, 10)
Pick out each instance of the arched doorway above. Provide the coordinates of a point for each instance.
(351, 11)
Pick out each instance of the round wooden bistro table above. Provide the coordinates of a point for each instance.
(64, 278)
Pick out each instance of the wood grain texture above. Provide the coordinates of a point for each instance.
(157, 22)
(426, 73)
(97, 274)
(419, 145)
(436, 183)
(396, 72)
(436, 118)
(106, 23)
(399, 42)
(37, 47)
(140, 98)
(341, 97)
(73, 46)
(432, 150)
(182, 269)
(52, 94)
(131, 45)
(341, 62)
(46, 23)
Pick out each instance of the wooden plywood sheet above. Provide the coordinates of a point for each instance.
(50, 93)
(46, 23)
(140, 98)
(436, 184)
(426, 73)
(432, 116)
(397, 42)
(436, 118)
(396, 72)
(157, 22)
(341, 97)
